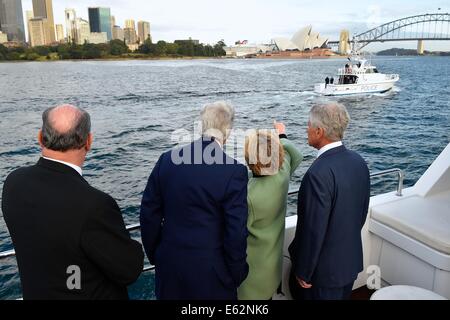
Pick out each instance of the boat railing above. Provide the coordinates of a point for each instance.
(135, 227)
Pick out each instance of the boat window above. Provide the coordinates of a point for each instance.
(350, 79)
(375, 70)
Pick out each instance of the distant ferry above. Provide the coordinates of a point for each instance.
(358, 77)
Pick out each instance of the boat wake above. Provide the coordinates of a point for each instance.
(391, 92)
(308, 93)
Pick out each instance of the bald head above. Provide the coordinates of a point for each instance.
(64, 118)
(65, 127)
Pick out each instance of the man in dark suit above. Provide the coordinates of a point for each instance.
(70, 238)
(194, 216)
(333, 202)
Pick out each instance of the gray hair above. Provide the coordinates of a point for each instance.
(73, 139)
(333, 118)
(217, 119)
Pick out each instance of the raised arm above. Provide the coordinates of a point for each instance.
(295, 156)
(292, 153)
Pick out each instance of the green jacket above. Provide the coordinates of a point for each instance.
(267, 200)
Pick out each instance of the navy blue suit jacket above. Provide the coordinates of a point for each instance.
(194, 223)
(332, 207)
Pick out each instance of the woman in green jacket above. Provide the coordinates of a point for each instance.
(272, 160)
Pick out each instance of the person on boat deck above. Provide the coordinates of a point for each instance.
(194, 216)
(327, 81)
(333, 201)
(348, 69)
(273, 160)
(332, 81)
(70, 238)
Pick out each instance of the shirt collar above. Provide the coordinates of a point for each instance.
(214, 139)
(329, 147)
(75, 167)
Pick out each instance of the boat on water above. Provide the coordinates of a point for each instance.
(357, 77)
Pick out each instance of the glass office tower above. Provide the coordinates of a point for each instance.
(100, 21)
(11, 20)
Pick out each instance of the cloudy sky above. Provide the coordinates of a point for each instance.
(256, 20)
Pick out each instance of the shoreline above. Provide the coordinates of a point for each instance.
(278, 58)
(117, 59)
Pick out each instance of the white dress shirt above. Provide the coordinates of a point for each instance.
(75, 167)
(329, 147)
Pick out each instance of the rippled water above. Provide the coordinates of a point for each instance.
(136, 105)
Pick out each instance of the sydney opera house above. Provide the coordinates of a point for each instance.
(304, 44)
(303, 40)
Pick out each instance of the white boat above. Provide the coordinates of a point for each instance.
(358, 77)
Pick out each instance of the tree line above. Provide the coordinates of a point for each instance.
(112, 49)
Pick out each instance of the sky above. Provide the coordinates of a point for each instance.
(257, 21)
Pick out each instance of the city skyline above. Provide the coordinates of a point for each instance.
(256, 21)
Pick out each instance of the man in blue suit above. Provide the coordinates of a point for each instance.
(332, 207)
(194, 216)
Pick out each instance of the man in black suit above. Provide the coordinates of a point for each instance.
(194, 216)
(333, 202)
(70, 238)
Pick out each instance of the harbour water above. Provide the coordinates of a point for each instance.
(136, 105)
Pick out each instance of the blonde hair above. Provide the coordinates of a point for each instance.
(264, 152)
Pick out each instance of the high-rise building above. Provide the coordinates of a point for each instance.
(118, 33)
(130, 24)
(37, 29)
(70, 17)
(44, 9)
(11, 20)
(130, 36)
(143, 31)
(59, 32)
(29, 16)
(82, 31)
(113, 23)
(100, 21)
(344, 44)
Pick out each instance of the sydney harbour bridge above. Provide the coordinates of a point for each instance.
(419, 28)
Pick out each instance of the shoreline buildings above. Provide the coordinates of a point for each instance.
(305, 43)
(100, 21)
(43, 11)
(303, 40)
(11, 20)
(143, 31)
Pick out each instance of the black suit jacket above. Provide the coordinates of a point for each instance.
(57, 220)
(332, 207)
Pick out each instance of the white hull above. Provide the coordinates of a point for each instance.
(350, 89)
